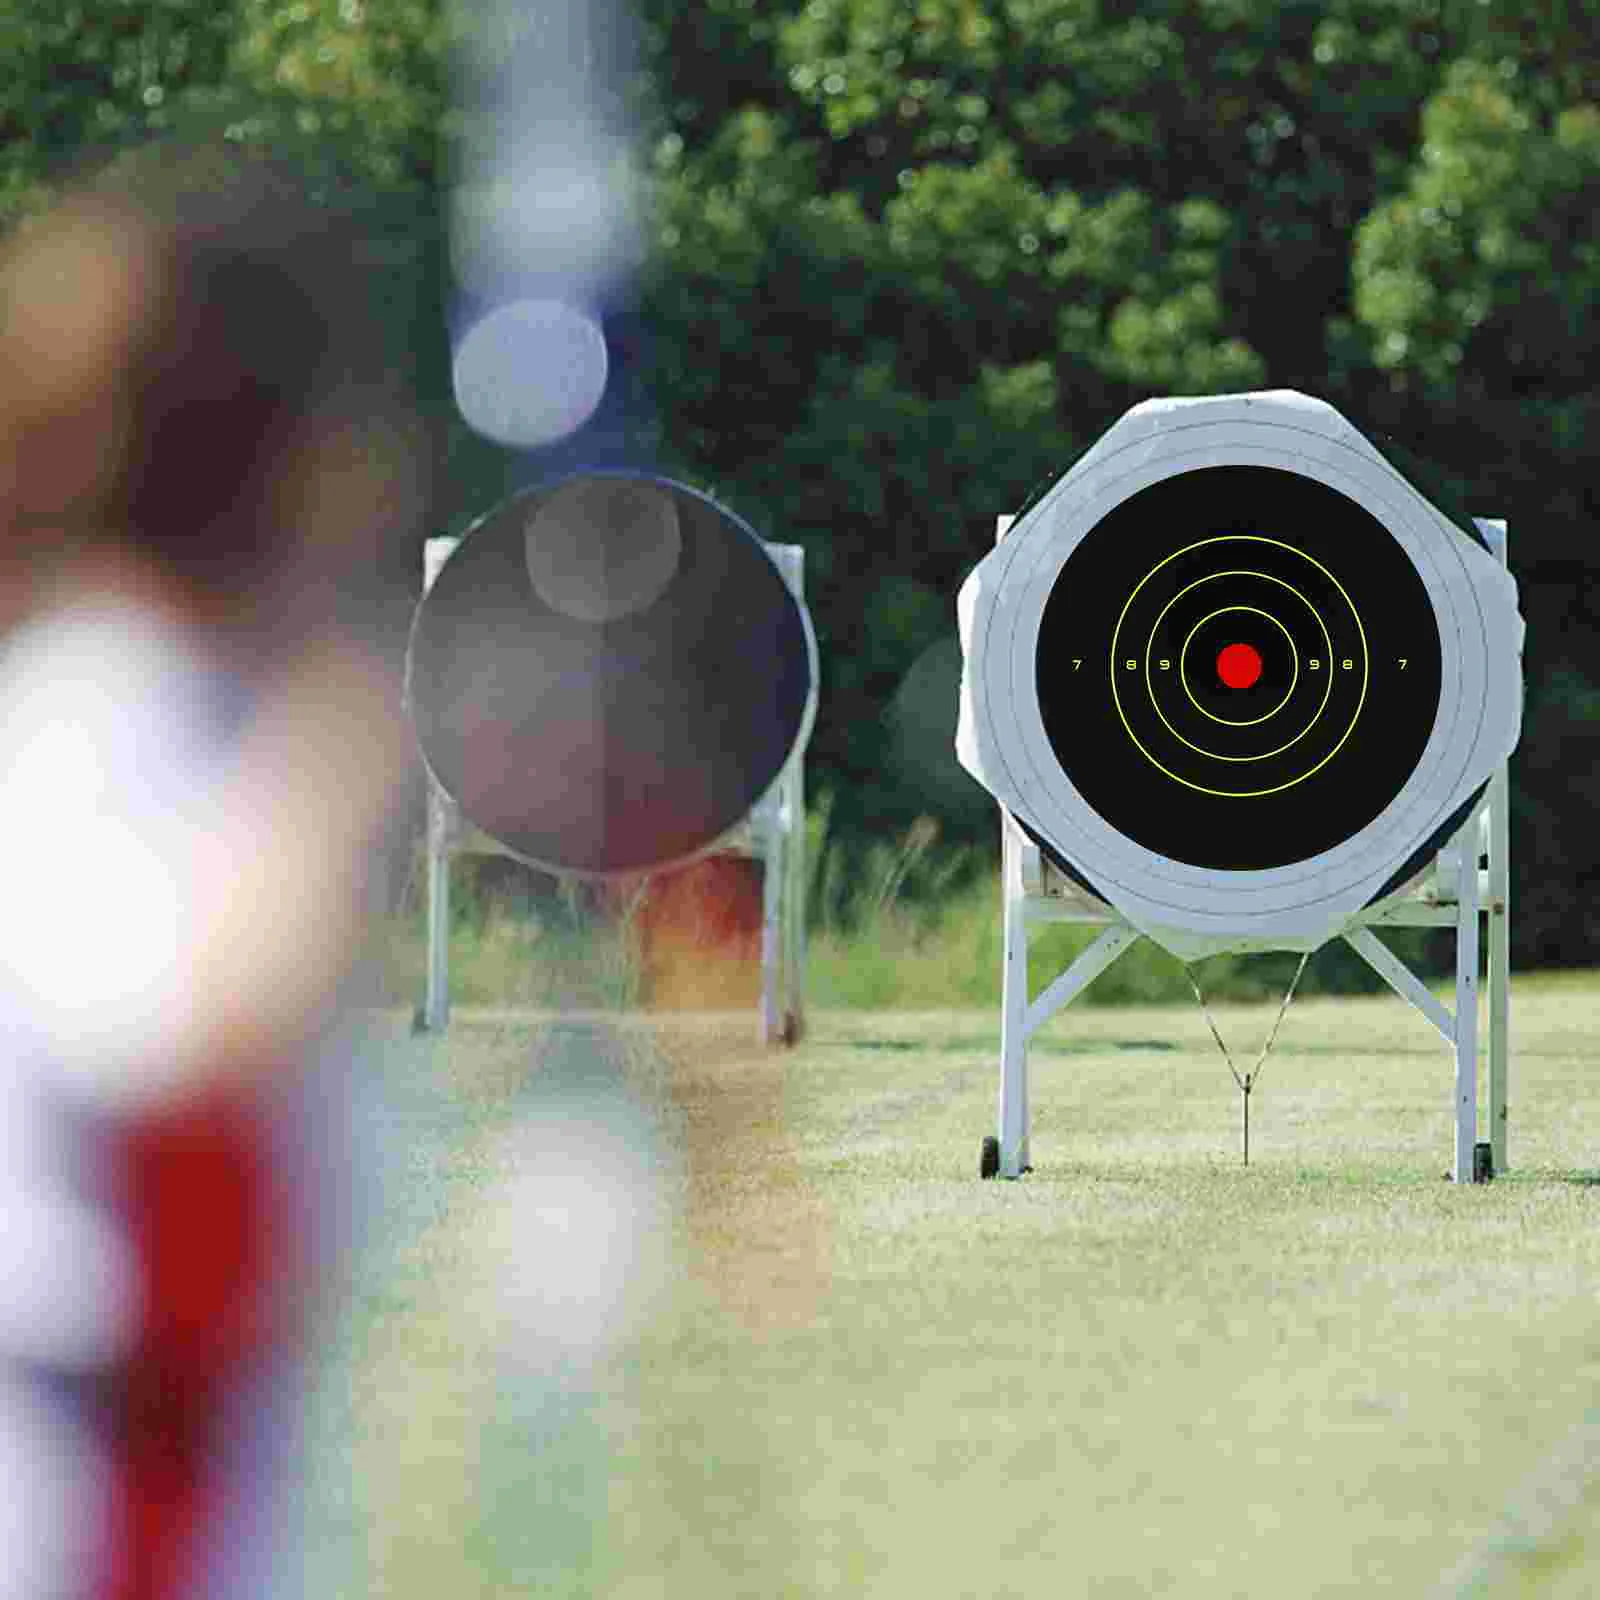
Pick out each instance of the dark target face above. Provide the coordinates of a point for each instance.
(608, 673)
(1238, 668)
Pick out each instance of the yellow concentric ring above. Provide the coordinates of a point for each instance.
(1233, 572)
(1249, 538)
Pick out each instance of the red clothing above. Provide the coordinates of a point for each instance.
(208, 1221)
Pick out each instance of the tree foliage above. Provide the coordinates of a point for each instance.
(915, 254)
(911, 256)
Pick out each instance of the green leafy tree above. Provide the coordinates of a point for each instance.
(1476, 283)
(911, 256)
(88, 76)
(914, 256)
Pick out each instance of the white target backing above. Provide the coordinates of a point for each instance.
(1234, 672)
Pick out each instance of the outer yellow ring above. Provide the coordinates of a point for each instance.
(1241, 794)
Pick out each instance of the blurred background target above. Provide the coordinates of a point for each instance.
(609, 673)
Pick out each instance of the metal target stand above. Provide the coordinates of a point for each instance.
(773, 833)
(1452, 891)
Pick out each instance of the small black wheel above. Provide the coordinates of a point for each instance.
(989, 1161)
(1483, 1163)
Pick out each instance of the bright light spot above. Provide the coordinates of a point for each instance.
(77, 1303)
(55, 1476)
(531, 372)
(574, 1231)
(559, 208)
(94, 916)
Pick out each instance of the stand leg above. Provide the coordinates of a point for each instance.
(773, 853)
(1493, 530)
(794, 918)
(434, 1014)
(1499, 965)
(1467, 1002)
(1013, 1012)
(436, 998)
(791, 559)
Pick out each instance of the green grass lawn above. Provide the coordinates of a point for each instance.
(1140, 1371)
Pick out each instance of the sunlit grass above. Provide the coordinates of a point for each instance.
(1142, 1370)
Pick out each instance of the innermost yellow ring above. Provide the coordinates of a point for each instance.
(1244, 722)
(1361, 633)
(1234, 572)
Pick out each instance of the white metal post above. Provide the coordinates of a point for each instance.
(1467, 1001)
(1499, 965)
(1013, 1109)
(792, 558)
(1493, 530)
(436, 996)
(436, 992)
(772, 833)
(794, 943)
(780, 835)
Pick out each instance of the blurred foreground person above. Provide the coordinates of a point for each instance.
(200, 452)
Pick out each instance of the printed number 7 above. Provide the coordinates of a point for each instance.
(1077, 661)
(1402, 660)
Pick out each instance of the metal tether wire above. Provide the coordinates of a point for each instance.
(1248, 1081)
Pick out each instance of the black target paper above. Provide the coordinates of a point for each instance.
(1238, 668)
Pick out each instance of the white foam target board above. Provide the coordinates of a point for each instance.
(1192, 685)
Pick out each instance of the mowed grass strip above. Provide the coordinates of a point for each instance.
(1142, 1370)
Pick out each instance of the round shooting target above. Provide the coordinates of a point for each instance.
(609, 673)
(1236, 675)
(1240, 665)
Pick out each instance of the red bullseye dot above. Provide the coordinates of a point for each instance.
(1239, 665)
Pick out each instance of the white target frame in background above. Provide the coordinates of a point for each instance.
(772, 830)
(1198, 910)
(1412, 861)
